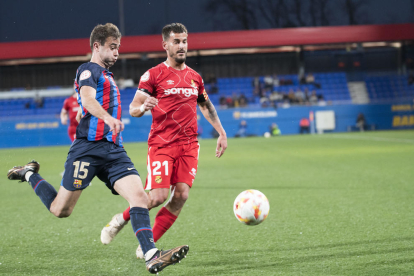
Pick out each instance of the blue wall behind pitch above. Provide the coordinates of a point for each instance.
(47, 130)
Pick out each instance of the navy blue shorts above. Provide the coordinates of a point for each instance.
(87, 159)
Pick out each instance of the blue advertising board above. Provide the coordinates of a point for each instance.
(47, 131)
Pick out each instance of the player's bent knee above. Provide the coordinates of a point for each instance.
(158, 200)
(180, 197)
(61, 213)
(157, 197)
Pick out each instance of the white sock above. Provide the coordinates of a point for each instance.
(28, 175)
(120, 219)
(150, 253)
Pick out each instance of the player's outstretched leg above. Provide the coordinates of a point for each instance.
(130, 188)
(109, 232)
(163, 221)
(155, 260)
(29, 173)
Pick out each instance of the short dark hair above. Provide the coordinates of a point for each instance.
(177, 28)
(101, 32)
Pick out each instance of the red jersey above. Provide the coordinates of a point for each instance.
(174, 119)
(71, 106)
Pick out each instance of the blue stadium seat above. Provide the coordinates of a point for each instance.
(387, 87)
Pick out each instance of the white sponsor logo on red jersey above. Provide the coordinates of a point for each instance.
(185, 91)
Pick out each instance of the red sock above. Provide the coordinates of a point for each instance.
(125, 214)
(163, 221)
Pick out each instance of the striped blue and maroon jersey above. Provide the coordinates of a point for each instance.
(107, 94)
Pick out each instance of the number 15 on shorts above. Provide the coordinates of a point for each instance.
(80, 171)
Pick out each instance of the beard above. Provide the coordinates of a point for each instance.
(179, 60)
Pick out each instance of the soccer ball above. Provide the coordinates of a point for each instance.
(251, 207)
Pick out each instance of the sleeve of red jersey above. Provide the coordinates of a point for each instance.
(146, 83)
(202, 94)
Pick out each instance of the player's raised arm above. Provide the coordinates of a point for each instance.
(89, 102)
(210, 113)
(141, 103)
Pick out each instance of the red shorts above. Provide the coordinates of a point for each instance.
(171, 165)
(72, 133)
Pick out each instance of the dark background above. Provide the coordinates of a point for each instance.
(26, 20)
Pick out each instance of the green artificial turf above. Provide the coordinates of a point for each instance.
(340, 204)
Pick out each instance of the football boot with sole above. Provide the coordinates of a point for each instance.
(161, 259)
(19, 172)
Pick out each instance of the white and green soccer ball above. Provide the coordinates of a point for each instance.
(251, 207)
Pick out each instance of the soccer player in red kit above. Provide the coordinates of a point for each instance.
(70, 109)
(171, 91)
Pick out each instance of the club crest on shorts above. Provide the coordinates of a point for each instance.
(158, 179)
(77, 183)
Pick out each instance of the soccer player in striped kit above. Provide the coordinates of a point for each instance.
(98, 151)
(171, 91)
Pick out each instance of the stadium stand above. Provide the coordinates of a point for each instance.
(333, 88)
(389, 87)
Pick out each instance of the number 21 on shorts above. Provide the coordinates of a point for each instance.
(156, 167)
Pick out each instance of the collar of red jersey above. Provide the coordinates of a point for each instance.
(185, 66)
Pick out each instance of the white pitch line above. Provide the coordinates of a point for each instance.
(367, 138)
